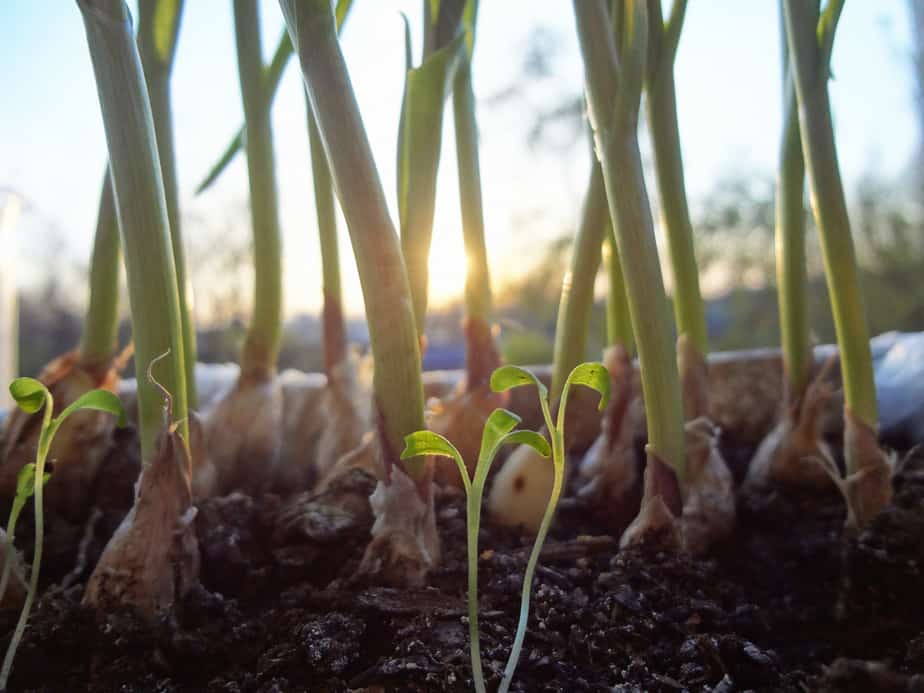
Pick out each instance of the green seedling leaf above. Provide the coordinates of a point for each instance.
(508, 377)
(536, 441)
(25, 482)
(29, 394)
(593, 375)
(100, 400)
(429, 443)
(498, 425)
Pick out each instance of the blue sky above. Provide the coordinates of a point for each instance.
(52, 147)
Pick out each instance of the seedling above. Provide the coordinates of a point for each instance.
(810, 34)
(32, 396)
(498, 431)
(592, 375)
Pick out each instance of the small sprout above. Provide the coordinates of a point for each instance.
(592, 375)
(32, 396)
(498, 431)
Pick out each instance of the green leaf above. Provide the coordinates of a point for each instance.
(593, 375)
(429, 443)
(272, 75)
(508, 377)
(237, 142)
(498, 425)
(341, 11)
(100, 400)
(166, 28)
(536, 441)
(25, 481)
(29, 393)
(420, 137)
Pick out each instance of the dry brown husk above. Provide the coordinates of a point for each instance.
(404, 545)
(692, 518)
(345, 406)
(243, 437)
(609, 471)
(869, 489)
(79, 445)
(153, 557)
(789, 453)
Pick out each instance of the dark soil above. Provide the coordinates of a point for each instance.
(787, 604)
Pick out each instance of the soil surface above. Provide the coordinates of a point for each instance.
(786, 604)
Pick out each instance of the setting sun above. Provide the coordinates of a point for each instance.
(447, 265)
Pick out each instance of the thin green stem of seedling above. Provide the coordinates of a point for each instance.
(614, 84)
(397, 382)
(810, 34)
(618, 320)
(663, 39)
(790, 241)
(577, 291)
(158, 30)
(100, 326)
(142, 211)
(32, 396)
(261, 346)
(498, 431)
(593, 375)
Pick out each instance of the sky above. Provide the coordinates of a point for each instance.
(53, 150)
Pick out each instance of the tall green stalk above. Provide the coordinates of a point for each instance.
(577, 291)
(618, 320)
(272, 75)
(100, 327)
(810, 35)
(420, 139)
(614, 85)
(397, 382)
(158, 29)
(334, 323)
(478, 297)
(335, 346)
(261, 346)
(142, 212)
(790, 241)
(665, 136)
